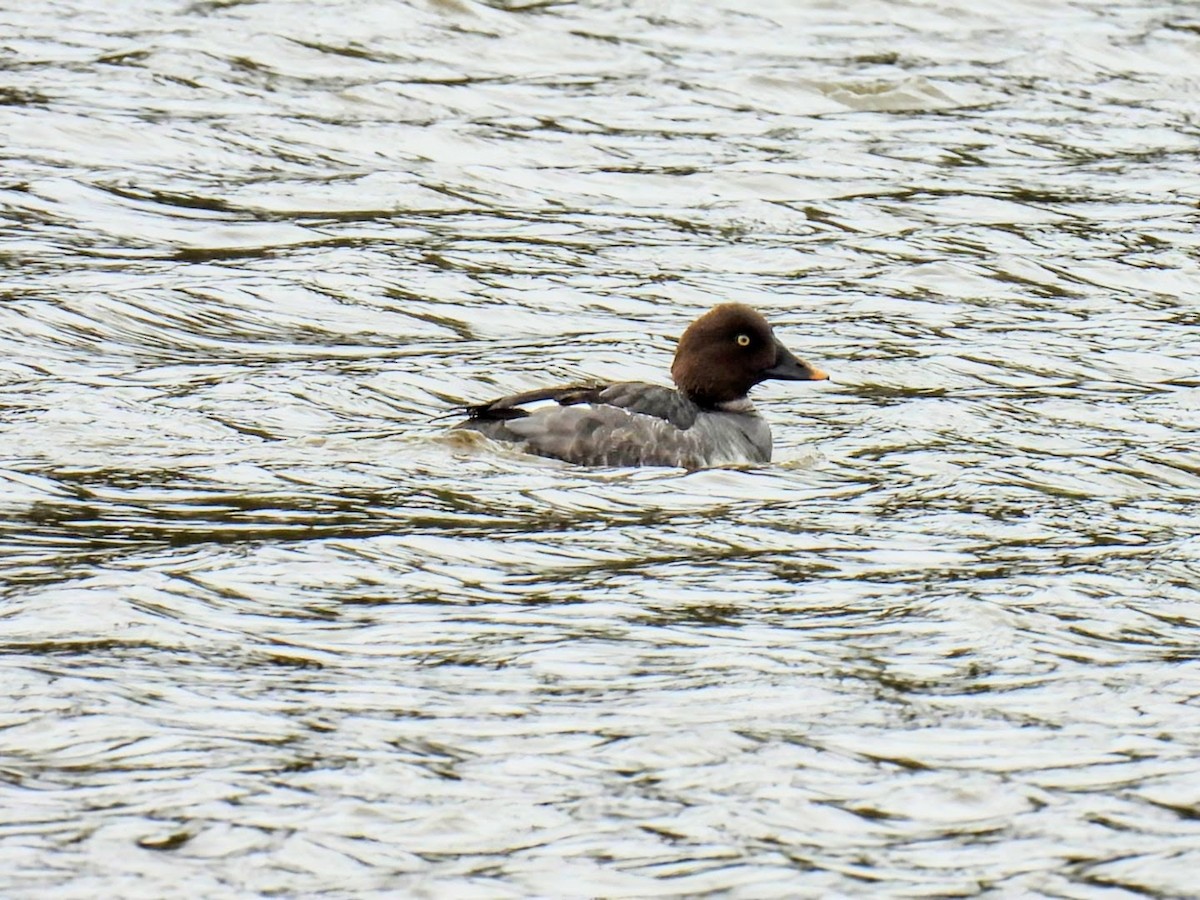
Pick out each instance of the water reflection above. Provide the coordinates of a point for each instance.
(269, 629)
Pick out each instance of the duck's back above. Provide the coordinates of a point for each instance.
(626, 424)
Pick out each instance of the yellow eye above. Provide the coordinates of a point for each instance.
(743, 340)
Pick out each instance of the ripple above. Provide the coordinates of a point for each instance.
(270, 629)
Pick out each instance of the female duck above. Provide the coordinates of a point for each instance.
(706, 420)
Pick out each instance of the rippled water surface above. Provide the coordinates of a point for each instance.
(266, 629)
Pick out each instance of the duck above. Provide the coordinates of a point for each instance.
(706, 420)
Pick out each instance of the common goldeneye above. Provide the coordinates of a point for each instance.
(707, 420)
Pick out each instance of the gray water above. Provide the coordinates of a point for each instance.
(268, 630)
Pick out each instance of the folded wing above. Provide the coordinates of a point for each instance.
(625, 424)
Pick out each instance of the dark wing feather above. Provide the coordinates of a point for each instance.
(650, 400)
(510, 407)
(634, 396)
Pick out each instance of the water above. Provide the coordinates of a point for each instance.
(267, 629)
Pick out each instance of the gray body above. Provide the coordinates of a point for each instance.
(628, 424)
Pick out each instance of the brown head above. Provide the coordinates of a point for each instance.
(729, 350)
